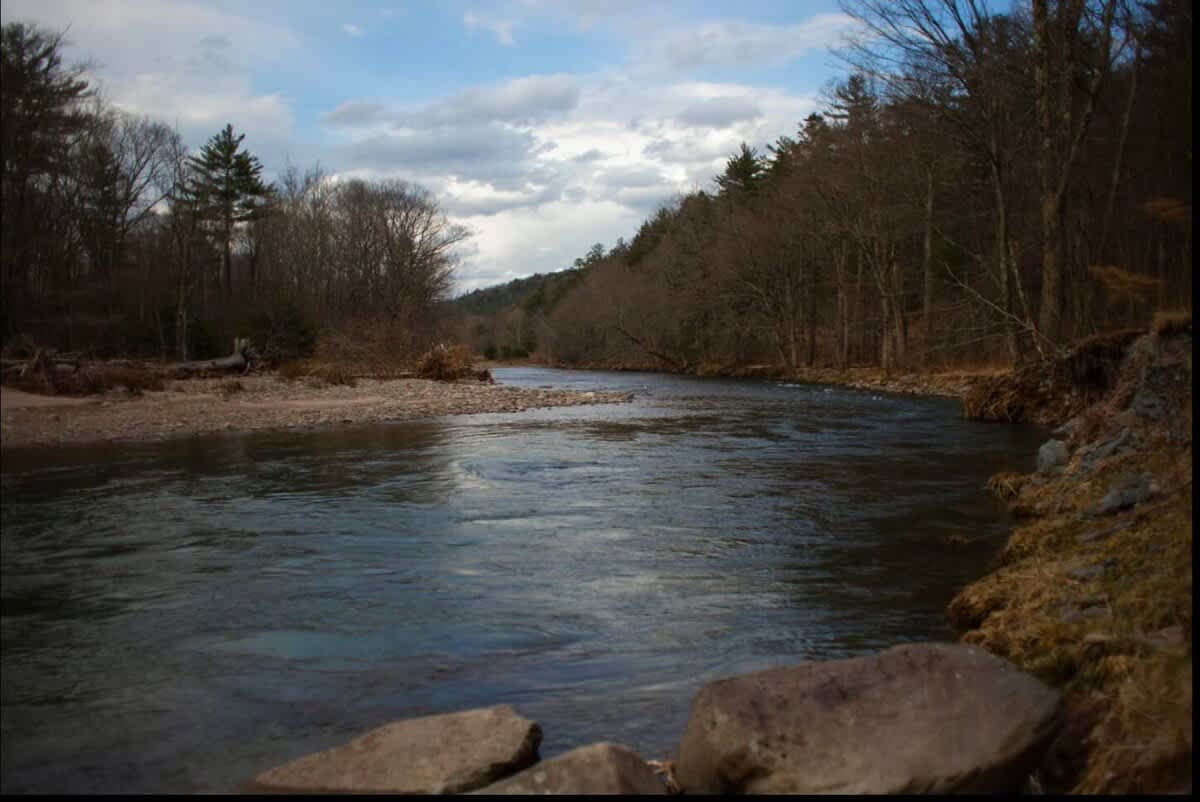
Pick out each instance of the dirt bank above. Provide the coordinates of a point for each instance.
(1093, 592)
(202, 406)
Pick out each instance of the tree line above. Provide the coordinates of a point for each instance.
(982, 186)
(118, 240)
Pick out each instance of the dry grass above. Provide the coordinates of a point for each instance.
(91, 379)
(316, 371)
(1100, 606)
(1100, 635)
(230, 388)
(1168, 322)
(1006, 485)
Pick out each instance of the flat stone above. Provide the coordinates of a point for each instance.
(444, 754)
(603, 768)
(918, 718)
(1124, 493)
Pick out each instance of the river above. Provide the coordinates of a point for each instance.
(179, 616)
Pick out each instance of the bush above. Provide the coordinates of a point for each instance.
(95, 379)
(489, 353)
(445, 364)
(282, 333)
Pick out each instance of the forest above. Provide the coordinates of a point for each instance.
(118, 241)
(981, 188)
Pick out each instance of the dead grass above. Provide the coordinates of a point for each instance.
(316, 371)
(1095, 634)
(91, 379)
(1168, 322)
(1100, 606)
(230, 388)
(1006, 485)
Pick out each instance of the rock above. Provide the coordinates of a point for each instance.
(1087, 573)
(1120, 444)
(443, 754)
(603, 768)
(1052, 456)
(1125, 492)
(918, 718)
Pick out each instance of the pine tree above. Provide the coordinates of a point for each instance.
(744, 172)
(227, 185)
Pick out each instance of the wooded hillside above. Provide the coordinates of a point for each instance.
(981, 187)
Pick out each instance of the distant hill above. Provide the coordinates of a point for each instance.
(539, 291)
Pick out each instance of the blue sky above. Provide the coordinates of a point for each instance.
(542, 125)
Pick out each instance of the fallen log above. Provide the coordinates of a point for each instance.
(238, 360)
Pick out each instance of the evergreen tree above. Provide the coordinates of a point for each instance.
(744, 172)
(227, 185)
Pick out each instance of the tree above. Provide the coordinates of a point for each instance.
(744, 172)
(41, 114)
(228, 187)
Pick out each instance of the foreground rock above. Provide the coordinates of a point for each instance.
(603, 768)
(922, 718)
(444, 754)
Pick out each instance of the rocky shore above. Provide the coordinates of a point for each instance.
(1093, 592)
(252, 403)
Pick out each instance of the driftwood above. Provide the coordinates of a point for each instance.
(239, 360)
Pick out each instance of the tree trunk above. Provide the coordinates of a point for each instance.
(927, 270)
(235, 361)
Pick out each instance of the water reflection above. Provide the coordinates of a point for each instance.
(181, 615)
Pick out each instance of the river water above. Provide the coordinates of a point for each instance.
(179, 616)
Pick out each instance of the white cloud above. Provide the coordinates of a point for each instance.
(731, 43)
(501, 29)
(180, 62)
(539, 166)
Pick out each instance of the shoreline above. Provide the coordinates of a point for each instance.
(949, 383)
(241, 405)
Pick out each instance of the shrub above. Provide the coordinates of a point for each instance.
(99, 378)
(283, 333)
(445, 364)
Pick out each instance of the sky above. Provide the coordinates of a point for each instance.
(544, 126)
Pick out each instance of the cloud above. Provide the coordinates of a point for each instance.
(351, 30)
(742, 43)
(501, 29)
(356, 113)
(719, 112)
(443, 150)
(181, 62)
(521, 100)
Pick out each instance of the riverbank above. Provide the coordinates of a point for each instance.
(1093, 591)
(952, 383)
(251, 403)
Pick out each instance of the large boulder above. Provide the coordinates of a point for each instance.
(444, 754)
(920, 718)
(603, 768)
